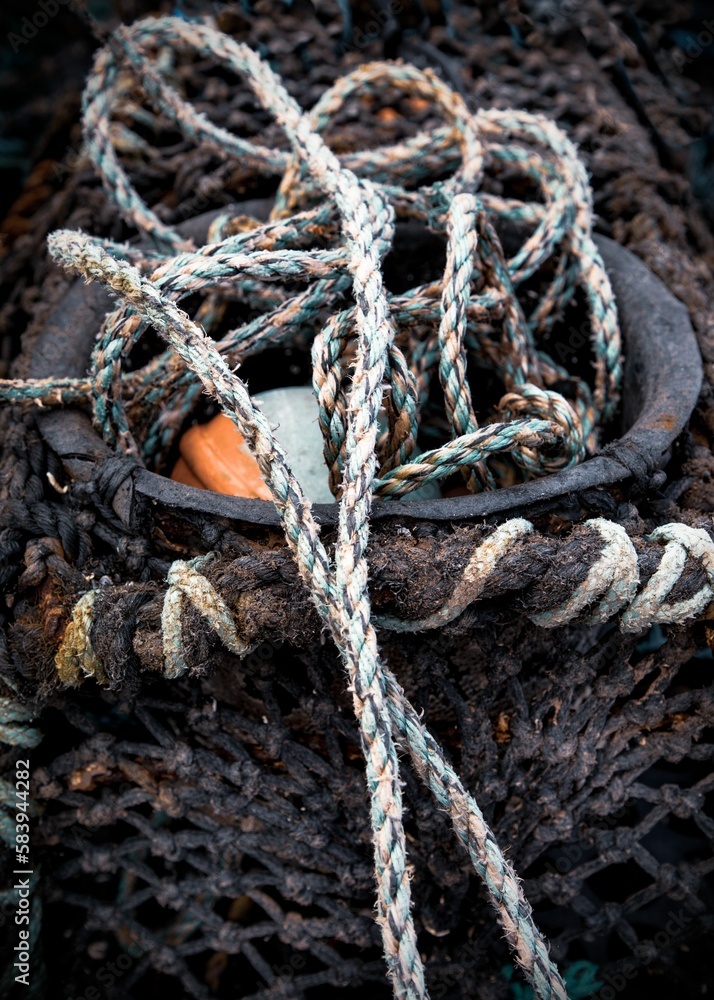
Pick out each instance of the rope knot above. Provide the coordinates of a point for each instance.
(186, 583)
(563, 446)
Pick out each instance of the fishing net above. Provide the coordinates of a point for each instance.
(201, 822)
(602, 806)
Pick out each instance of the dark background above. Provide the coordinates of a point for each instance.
(41, 80)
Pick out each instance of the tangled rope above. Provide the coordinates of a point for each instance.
(474, 315)
(379, 354)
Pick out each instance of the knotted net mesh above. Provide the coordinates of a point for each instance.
(221, 836)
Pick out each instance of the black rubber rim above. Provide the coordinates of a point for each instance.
(663, 376)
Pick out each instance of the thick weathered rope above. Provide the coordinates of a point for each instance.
(611, 587)
(377, 353)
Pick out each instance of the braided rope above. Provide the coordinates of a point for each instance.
(610, 587)
(15, 730)
(380, 351)
(651, 605)
(185, 581)
(460, 253)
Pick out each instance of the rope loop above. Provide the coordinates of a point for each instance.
(186, 583)
(530, 401)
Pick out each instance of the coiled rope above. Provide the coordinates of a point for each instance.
(380, 352)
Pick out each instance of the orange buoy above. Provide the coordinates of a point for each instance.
(216, 457)
(182, 474)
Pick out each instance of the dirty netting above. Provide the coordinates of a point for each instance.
(209, 835)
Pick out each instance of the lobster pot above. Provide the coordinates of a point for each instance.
(209, 834)
(247, 720)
